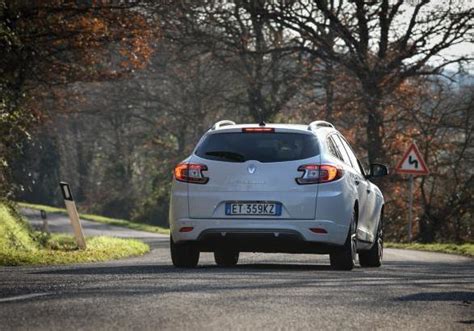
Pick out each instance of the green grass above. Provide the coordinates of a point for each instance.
(19, 245)
(15, 234)
(460, 249)
(101, 219)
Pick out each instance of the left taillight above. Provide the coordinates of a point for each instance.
(191, 173)
(317, 174)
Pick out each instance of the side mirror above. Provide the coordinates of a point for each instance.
(377, 170)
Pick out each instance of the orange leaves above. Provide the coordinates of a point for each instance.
(85, 42)
(137, 52)
(93, 25)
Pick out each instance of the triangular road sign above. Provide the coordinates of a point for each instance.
(412, 162)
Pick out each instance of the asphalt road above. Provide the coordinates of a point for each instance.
(413, 290)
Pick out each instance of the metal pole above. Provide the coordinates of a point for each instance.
(410, 207)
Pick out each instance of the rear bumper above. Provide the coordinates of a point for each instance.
(276, 241)
(254, 235)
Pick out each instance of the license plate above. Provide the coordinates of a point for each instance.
(253, 208)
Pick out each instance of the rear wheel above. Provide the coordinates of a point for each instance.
(346, 258)
(373, 257)
(184, 255)
(226, 257)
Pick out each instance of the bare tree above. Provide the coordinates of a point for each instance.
(447, 130)
(381, 43)
(244, 41)
(49, 43)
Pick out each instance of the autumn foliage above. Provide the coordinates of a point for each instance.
(110, 95)
(48, 44)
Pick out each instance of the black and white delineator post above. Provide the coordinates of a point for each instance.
(73, 215)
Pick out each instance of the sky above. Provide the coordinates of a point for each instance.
(463, 49)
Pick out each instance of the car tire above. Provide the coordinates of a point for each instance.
(184, 255)
(226, 258)
(345, 259)
(373, 257)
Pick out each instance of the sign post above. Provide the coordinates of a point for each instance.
(412, 164)
(410, 209)
(73, 215)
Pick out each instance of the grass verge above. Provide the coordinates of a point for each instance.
(101, 219)
(460, 249)
(19, 245)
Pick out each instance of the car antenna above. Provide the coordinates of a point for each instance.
(262, 123)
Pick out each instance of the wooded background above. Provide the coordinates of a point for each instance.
(110, 95)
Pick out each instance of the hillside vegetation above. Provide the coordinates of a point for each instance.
(20, 245)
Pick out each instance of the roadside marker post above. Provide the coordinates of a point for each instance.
(412, 163)
(44, 217)
(73, 215)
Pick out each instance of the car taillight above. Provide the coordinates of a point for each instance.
(258, 130)
(190, 173)
(316, 174)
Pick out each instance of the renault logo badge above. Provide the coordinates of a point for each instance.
(251, 168)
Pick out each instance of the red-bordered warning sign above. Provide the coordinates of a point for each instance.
(412, 162)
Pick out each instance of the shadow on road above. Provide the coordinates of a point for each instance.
(282, 267)
(157, 269)
(417, 270)
(420, 276)
(213, 279)
(466, 297)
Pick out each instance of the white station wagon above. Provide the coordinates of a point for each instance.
(276, 188)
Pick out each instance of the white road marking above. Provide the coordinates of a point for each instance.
(24, 297)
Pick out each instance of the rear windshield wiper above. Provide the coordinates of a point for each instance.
(227, 155)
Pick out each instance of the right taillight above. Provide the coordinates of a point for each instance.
(316, 174)
(190, 173)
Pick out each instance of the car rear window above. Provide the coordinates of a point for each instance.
(263, 147)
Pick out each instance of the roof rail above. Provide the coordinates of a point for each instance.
(314, 125)
(219, 124)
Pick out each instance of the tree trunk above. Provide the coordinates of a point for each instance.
(426, 232)
(257, 103)
(372, 100)
(328, 86)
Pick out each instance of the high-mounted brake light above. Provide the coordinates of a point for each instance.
(316, 174)
(190, 173)
(259, 130)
